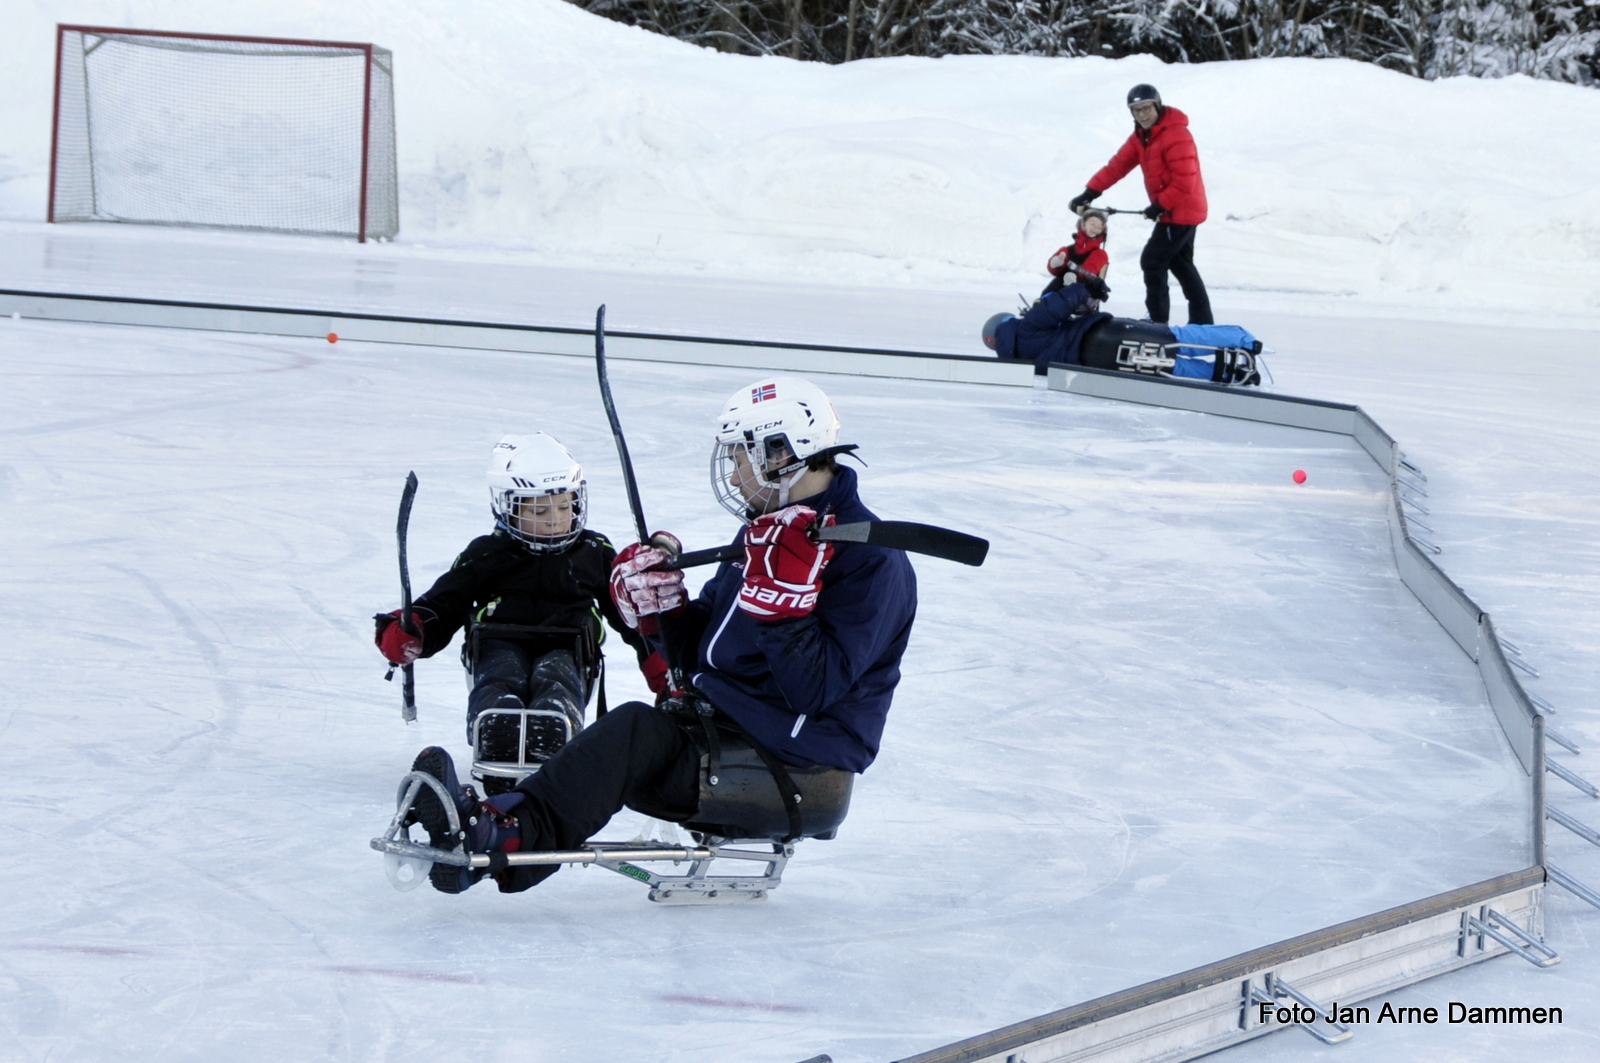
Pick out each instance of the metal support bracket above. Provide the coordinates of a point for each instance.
(1572, 885)
(1420, 541)
(1412, 469)
(1277, 989)
(1575, 825)
(1490, 923)
(1566, 774)
(1562, 740)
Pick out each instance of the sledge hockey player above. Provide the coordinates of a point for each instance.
(793, 653)
(1163, 148)
(1053, 328)
(1068, 327)
(540, 568)
(1086, 257)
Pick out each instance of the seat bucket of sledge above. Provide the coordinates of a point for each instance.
(745, 803)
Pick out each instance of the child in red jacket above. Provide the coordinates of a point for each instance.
(1085, 258)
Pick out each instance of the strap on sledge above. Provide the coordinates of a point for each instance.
(788, 792)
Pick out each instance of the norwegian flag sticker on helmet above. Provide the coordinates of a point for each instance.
(763, 393)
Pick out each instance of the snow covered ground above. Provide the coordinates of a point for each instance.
(562, 138)
(1219, 721)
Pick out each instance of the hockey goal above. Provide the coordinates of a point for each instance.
(238, 132)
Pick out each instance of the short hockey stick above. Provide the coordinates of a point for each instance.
(408, 706)
(892, 534)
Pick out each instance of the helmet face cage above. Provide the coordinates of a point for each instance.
(751, 477)
(542, 520)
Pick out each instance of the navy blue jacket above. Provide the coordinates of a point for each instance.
(1049, 332)
(814, 690)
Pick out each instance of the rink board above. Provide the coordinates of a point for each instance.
(523, 339)
(1207, 1009)
(1455, 611)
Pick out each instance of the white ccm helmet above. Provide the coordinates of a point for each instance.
(525, 469)
(765, 433)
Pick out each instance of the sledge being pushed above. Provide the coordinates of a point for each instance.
(1066, 326)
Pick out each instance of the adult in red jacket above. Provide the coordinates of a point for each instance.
(1162, 147)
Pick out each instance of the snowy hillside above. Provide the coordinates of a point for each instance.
(536, 127)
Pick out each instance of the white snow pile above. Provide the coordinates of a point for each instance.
(534, 127)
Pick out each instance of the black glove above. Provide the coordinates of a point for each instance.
(1082, 200)
(1154, 211)
(1097, 287)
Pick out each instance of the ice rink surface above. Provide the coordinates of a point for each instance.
(1186, 708)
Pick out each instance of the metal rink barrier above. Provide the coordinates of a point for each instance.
(524, 339)
(1244, 997)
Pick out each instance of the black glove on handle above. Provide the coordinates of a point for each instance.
(1082, 200)
(1154, 211)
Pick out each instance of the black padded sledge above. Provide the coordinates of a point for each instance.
(745, 802)
(1098, 349)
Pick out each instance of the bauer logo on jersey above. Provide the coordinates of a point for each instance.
(763, 392)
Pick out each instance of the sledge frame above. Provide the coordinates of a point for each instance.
(695, 886)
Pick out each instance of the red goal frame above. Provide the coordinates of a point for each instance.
(62, 29)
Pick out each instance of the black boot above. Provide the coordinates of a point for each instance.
(486, 826)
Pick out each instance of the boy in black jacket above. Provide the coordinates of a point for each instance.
(540, 568)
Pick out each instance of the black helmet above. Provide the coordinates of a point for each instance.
(1143, 94)
(991, 329)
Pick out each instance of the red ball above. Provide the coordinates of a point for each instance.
(1299, 476)
(333, 337)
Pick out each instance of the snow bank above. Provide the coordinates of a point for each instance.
(534, 127)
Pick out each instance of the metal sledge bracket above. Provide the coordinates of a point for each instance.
(522, 767)
(407, 862)
(1276, 989)
(1490, 923)
(1145, 357)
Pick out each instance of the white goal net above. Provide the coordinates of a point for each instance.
(238, 132)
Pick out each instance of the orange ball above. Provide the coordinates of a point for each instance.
(333, 337)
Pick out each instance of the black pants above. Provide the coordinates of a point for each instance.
(635, 756)
(1171, 249)
(537, 680)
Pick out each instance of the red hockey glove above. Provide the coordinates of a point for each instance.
(1059, 263)
(783, 565)
(656, 676)
(641, 594)
(392, 641)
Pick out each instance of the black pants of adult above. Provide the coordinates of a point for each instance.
(635, 756)
(1171, 250)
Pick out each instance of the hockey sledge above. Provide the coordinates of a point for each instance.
(744, 821)
(1146, 347)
